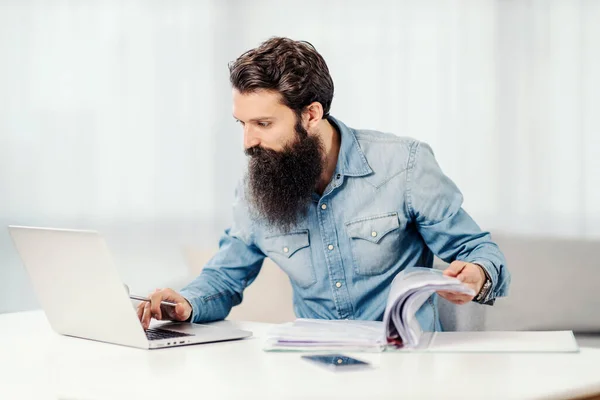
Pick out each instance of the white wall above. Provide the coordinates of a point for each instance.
(116, 115)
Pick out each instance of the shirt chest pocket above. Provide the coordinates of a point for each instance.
(291, 253)
(375, 243)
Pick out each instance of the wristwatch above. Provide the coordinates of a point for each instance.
(485, 289)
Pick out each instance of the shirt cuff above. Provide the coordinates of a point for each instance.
(195, 309)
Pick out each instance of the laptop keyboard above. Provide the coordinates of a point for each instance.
(158, 334)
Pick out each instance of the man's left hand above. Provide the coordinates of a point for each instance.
(471, 275)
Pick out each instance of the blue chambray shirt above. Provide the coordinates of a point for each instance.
(388, 206)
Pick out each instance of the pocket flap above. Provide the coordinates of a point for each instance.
(373, 228)
(287, 245)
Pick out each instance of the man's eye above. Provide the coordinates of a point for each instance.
(239, 122)
(264, 124)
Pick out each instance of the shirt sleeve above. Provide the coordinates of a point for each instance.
(234, 267)
(434, 203)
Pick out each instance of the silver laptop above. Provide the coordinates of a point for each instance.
(78, 286)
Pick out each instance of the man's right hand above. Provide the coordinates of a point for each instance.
(153, 309)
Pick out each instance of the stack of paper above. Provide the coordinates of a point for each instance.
(325, 335)
(400, 330)
(408, 291)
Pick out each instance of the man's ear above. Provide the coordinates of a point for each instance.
(313, 113)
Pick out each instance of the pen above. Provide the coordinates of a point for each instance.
(140, 298)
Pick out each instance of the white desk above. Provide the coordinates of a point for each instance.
(37, 363)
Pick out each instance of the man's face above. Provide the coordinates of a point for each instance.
(267, 122)
(285, 162)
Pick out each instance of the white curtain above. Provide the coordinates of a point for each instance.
(504, 91)
(116, 115)
(105, 110)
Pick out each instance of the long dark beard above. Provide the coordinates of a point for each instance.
(280, 184)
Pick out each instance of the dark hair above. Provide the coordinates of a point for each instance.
(293, 68)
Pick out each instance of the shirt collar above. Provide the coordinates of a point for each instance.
(351, 159)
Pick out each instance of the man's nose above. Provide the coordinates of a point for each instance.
(250, 139)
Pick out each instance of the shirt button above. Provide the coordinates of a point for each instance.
(285, 250)
(373, 233)
(330, 247)
(323, 206)
(338, 285)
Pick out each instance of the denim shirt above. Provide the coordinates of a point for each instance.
(388, 206)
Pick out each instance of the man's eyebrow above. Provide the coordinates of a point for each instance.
(255, 119)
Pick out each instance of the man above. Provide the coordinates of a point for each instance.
(340, 210)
